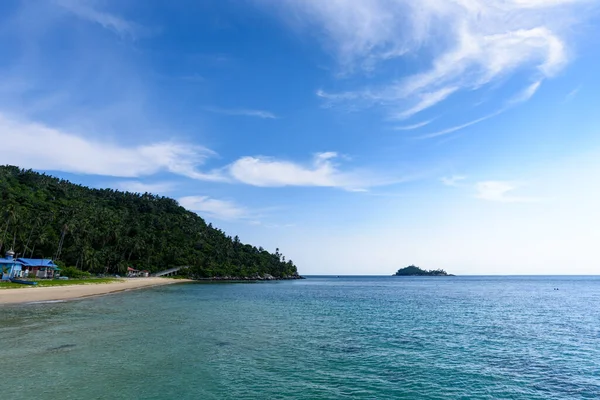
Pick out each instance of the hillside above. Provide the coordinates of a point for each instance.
(105, 231)
(412, 270)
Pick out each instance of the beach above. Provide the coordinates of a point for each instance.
(69, 292)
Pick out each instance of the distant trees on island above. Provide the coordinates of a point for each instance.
(105, 231)
(413, 270)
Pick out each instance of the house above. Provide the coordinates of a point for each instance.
(9, 267)
(134, 273)
(38, 268)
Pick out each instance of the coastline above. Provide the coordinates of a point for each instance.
(254, 278)
(72, 292)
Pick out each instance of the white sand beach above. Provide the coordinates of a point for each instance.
(69, 292)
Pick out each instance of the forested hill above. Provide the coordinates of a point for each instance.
(105, 231)
(412, 270)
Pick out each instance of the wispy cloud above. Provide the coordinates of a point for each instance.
(521, 97)
(87, 10)
(41, 147)
(242, 112)
(471, 43)
(413, 126)
(571, 95)
(144, 187)
(459, 127)
(452, 180)
(208, 207)
(322, 171)
(45, 148)
(500, 191)
(526, 93)
(425, 100)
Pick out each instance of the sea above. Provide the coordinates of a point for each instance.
(319, 338)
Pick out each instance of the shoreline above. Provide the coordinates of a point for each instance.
(255, 278)
(28, 295)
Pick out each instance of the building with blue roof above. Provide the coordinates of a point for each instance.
(9, 267)
(26, 267)
(38, 267)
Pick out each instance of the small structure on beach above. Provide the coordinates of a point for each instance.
(42, 268)
(15, 268)
(136, 273)
(9, 267)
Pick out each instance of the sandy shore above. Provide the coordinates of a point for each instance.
(54, 293)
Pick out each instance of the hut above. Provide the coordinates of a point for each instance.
(136, 273)
(39, 268)
(9, 267)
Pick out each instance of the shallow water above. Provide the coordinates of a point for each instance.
(320, 338)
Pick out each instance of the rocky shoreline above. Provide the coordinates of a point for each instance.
(253, 278)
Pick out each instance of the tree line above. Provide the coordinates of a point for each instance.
(106, 231)
(413, 270)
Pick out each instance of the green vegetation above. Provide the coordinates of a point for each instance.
(60, 282)
(74, 273)
(10, 285)
(104, 231)
(57, 282)
(412, 270)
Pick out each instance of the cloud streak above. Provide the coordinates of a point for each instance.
(413, 126)
(453, 180)
(209, 207)
(572, 94)
(526, 94)
(242, 112)
(43, 148)
(322, 171)
(459, 127)
(86, 10)
(40, 147)
(499, 191)
(468, 43)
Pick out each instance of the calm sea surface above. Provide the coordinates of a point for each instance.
(320, 338)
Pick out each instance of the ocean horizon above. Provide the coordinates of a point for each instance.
(352, 337)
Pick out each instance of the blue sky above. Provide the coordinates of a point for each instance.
(356, 136)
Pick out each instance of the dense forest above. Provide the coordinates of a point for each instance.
(105, 231)
(412, 270)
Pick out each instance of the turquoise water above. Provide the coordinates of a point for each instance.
(320, 338)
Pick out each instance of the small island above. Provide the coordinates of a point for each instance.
(413, 270)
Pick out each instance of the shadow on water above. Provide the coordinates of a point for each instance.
(62, 347)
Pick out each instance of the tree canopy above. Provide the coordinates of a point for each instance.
(413, 270)
(106, 231)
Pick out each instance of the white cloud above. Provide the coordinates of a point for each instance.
(452, 180)
(242, 112)
(413, 126)
(143, 187)
(36, 146)
(322, 171)
(571, 95)
(459, 127)
(86, 10)
(425, 101)
(499, 191)
(469, 43)
(527, 93)
(220, 209)
(521, 97)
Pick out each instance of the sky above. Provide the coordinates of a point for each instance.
(357, 136)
